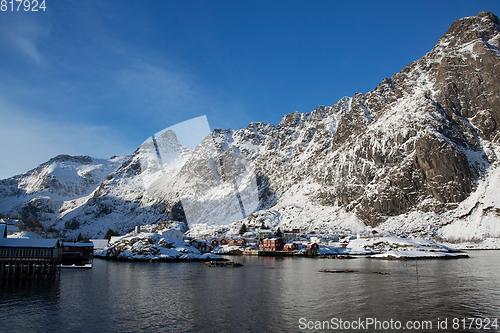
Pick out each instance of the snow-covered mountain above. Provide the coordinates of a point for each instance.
(41, 192)
(419, 153)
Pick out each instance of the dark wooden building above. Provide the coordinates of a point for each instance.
(78, 254)
(26, 257)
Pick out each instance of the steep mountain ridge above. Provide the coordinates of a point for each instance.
(418, 146)
(41, 192)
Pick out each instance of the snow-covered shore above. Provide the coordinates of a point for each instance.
(152, 246)
(393, 247)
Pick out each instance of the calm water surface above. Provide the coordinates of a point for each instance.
(265, 295)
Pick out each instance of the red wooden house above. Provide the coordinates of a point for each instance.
(272, 244)
(313, 246)
(291, 247)
(202, 246)
(214, 242)
(237, 242)
(223, 241)
(241, 242)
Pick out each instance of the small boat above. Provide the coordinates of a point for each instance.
(223, 264)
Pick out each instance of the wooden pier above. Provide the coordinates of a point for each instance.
(25, 269)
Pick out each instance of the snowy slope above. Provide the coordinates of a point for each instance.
(41, 192)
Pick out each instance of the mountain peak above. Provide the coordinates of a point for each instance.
(81, 159)
(485, 25)
(489, 16)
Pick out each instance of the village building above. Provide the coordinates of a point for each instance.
(78, 254)
(344, 243)
(99, 244)
(202, 246)
(214, 242)
(287, 235)
(272, 244)
(249, 235)
(173, 233)
(264, 233)
(223, 241)
(237, 242)
(13, 226)
(291, 247)
(312, 249)
(241, 242)
(26, 257)
(313, 246)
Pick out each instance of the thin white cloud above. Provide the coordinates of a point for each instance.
(156, 89)
(139, 90)
(27, 140)
(171, 95)
(22, 35)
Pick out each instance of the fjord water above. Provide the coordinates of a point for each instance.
(265, 295)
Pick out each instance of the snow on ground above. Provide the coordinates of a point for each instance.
(152, 246)
(415, 254)
(393, 247)
(485, 244)
(294, 210)
(25, 234)
(475, 219)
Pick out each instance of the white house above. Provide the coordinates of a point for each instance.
(99, 244)
(264, 233)
(173, 233)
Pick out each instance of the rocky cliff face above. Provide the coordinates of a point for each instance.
(421, 141)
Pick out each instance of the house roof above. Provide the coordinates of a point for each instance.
(24, 242)
(78, 244)
(99, 243)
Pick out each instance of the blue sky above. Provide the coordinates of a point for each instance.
(99, 77)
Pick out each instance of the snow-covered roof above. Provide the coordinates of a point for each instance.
(23, 242)
(78, 244)
(99, 244)
(274, 238)
(115, 239)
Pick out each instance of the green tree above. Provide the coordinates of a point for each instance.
(243, 229)
(278, 233)
(263, 226)
(109, 234)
